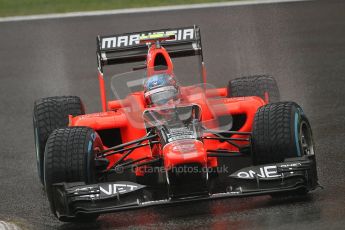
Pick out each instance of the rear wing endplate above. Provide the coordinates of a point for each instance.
(126, 48)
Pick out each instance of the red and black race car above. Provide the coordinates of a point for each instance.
(165, 139)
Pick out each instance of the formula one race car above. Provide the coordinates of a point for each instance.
(165, 139)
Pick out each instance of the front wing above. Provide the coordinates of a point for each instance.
(73, 199)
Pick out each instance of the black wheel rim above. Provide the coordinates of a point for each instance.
(306, 139)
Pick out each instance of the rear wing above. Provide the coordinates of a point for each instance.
(126, 48)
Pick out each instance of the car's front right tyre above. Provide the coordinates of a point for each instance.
(70, 157)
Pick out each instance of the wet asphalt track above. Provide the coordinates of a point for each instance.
(301, 44)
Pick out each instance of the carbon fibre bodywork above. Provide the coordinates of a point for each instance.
(293, 175)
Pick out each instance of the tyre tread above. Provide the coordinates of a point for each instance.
(273, 132)
(255, 85)
(51, 113)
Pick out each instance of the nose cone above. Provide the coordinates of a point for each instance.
(184, 152)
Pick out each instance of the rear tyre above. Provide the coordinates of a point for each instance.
(263, 86)
(70, 157)
(281, 130)
(49, 114)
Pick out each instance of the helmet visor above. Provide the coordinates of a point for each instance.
(161, 95)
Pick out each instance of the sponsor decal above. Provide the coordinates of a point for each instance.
(134, 39)
(181, 133)
(269, 171)
(115, 189)
(105, 190)
(290, 166)
(78, 191)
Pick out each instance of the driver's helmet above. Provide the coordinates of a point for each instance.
(161, 88)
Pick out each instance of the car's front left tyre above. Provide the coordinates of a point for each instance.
(281, 130)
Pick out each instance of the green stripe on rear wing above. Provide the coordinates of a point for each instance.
(126, 48)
